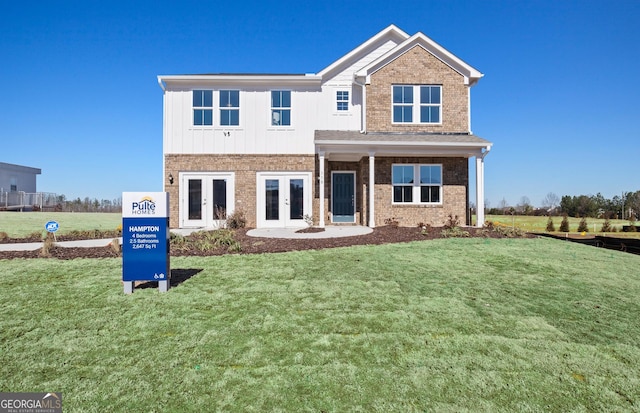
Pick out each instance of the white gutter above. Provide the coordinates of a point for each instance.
(363, 109)
(161, 83)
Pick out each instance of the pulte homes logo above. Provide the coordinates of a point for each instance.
(30, 402)
(146, 206)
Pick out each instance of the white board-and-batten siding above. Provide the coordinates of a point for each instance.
(310, 110)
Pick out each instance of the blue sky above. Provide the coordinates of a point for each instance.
(559, 99)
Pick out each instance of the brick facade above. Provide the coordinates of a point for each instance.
(417, 67)
(245, 168)
(455, 176)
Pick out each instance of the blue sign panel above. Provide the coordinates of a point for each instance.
(51, 226)
(145, 249)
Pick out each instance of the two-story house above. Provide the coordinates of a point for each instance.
(383, 132)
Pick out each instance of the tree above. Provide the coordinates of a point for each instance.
(524, 207)
(583, 227)
(550, 226)
(551, 201)
(564, 225)
(503, 205)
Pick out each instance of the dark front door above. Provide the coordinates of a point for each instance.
(343, 197)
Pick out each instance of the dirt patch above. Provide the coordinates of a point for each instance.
(253, 245)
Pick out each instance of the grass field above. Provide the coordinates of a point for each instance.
(446, 325)
(539, 224)
(22, 224)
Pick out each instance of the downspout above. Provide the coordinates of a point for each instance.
(363, 110)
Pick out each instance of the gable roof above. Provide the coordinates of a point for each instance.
(390, 33)
(470, 74)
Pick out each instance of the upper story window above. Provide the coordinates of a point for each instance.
(281, 107)
(417, 184)
(342, 100)
(229, 107)
(202, 107)
(417, 104)
(13, 184)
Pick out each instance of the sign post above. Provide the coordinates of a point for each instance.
(145, 239)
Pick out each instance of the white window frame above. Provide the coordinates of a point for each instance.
(416, 185)
(229, 108)
(202, 108)
(416, 105)
(341, 100)
(280, 108)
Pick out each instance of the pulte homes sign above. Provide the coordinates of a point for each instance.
(145, 239)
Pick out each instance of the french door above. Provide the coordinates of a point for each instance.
(283, 199)
(206, 199)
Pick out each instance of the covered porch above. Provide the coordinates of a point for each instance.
(357, 184)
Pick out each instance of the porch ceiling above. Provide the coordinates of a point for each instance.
(352, 145)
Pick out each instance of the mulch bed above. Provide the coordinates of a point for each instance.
(253, 245)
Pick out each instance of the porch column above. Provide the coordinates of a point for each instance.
(321, 189)
(372, 186)
(480, 190)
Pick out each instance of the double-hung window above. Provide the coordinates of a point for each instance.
(417, 184)
(281, 108)
(342, 100)
(229, 107)
(417, 104)
(202, 107)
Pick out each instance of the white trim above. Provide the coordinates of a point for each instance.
(207, 220)
(321, 189)
(354, 196)
(272, 108)
(372, 190)
(390, 31)
(416, 105)
(416, 185)
(336, 101)
(470, 74)
(238, 80)
(284, 177)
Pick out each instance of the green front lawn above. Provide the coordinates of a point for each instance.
(445, 325)
(22, 224)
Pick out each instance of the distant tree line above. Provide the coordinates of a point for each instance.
(88, 205)
(625, 206)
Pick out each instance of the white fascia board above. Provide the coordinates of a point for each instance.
(403, 143)
(390, 31)
(240, 80)
(470, 74)
(404, 148)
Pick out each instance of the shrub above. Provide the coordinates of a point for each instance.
(424, 228)
(510, 232)
(564, 225)
(489, 225)
(49, 242)
(550, 226)
(392, 222)
(115, 246)
(236, 220)
(583, 227)
(452, 222)
(454, 232)
(3, 236)
(606, 226)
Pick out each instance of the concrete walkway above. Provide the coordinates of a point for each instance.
(32, 246)
(331, 231)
